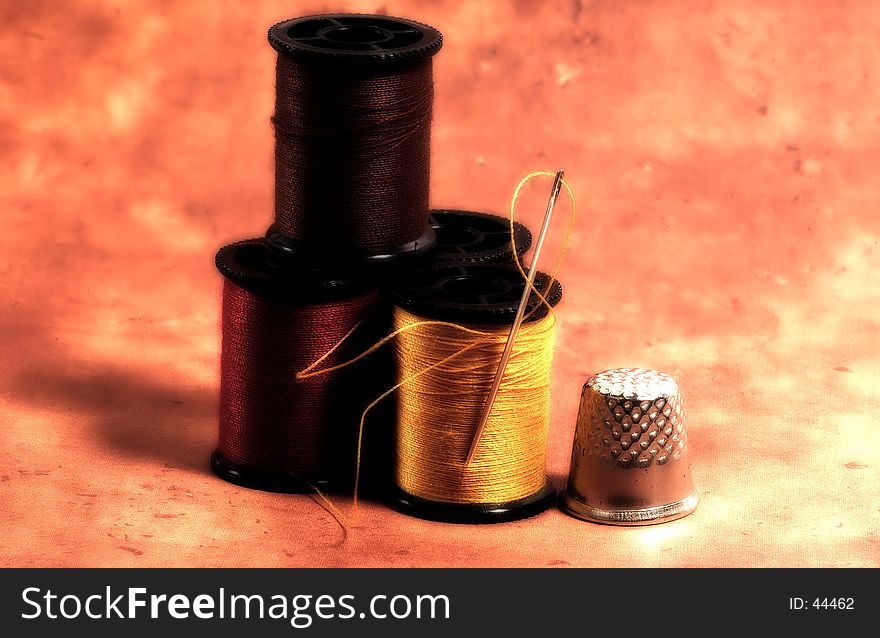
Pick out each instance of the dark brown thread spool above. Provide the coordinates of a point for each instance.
(354, 98)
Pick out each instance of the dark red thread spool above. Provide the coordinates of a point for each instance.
(354, 99)
(277, 433)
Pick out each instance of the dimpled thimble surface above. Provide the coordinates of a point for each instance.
(629, 462)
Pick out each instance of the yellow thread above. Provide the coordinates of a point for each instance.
(440, 403)
(399, 385)
(309, 372)
(302, 373)
(334, 511)
(568, 233)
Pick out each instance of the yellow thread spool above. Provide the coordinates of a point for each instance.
(452, 323)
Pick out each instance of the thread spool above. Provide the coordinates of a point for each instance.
(354, 99)
(469, 236)
(433, 435)
(275, 433)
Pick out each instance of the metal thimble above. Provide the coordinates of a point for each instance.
(629, 461)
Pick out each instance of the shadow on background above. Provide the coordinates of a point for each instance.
(129, 413)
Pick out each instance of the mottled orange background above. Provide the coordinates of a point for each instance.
(724, 155)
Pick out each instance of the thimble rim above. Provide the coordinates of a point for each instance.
(574, 506)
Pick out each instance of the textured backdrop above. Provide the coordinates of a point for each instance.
(724, 157)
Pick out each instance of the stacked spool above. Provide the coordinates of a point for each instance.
(353, 109)
(354, 98)
(276, 434)
(507, 479)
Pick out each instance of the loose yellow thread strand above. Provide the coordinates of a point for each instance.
(324, 503)
(302, 374)
(516, 258)
(309, 371)
(387, 393)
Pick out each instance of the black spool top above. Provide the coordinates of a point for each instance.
(354, 38)
(468, 236)
(254, 266)
(487, 293)
(452, 235)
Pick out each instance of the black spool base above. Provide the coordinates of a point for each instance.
(266, 481)
(351, 256)
(471, 513)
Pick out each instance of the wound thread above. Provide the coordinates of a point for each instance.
(439, 408)
(352, 154)
(268, 422)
